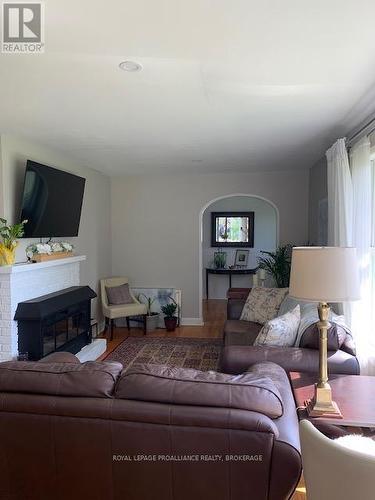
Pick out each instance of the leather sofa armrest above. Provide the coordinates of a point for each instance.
(236, 359)
(60, 357)
(234, 308)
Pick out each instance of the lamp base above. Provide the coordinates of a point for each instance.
(321, 405)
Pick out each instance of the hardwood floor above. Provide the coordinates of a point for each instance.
(214, 315)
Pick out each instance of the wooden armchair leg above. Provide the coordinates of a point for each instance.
(128, 322)
(144, 324)
(111, 325)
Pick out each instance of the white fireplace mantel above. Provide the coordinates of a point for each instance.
(22, 282)
(34, 266)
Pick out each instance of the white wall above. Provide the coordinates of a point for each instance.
(94, 239)
(155, 223)
(265, 238)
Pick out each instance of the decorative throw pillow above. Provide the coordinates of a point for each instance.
(263, 304)
(281, 331)
(118, 295)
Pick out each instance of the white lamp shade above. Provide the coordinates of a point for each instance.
(324, 274)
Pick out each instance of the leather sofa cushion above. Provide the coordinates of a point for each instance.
(60, 357)
(336, 336)
(237, 332)
(90, 379)
(181, 386)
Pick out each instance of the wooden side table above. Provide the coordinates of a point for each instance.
(229, 272)
(354, 394)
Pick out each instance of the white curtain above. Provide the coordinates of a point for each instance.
(362, 312)
(340, 204)
(351, 222)
(340, 196)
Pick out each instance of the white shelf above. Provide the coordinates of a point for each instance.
(33, 266)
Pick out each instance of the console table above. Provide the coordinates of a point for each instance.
(229, 272)
(354, 394)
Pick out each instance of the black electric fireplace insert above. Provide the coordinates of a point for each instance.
(59, 321)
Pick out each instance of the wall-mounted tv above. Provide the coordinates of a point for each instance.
(51, 202)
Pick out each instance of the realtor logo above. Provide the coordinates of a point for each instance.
(23, 28)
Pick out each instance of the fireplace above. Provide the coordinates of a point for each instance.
(59, 321)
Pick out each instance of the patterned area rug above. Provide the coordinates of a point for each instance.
(201, 354)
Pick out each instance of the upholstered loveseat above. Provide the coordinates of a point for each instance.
(239, 352)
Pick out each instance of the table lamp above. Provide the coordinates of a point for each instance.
(324, 274)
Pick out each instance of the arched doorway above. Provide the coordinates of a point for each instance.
(266, 237)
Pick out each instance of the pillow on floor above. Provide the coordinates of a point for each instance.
(263, 304)
(118, 295)
(281, 331)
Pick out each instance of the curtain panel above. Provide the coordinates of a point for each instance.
(351, 223)
(340, 196)
(362, 311)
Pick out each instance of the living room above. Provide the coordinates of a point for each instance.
(186, 254)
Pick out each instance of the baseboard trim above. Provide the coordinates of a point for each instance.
(192, 322)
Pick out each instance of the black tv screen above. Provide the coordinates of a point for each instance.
(52, 202)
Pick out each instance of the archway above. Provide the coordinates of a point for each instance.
(266, 231)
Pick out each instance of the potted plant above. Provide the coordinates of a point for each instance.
(170, 319)
(9, 235)
(277, 264)
(152, 319)
(220, 259)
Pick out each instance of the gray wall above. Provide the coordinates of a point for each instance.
(156, 238)
(318, 208)
(265, 238)
(94, 239)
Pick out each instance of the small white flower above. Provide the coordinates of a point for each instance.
(68, 247)
(56, 247)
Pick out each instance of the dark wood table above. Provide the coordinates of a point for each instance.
(229, 272)
(354, 394)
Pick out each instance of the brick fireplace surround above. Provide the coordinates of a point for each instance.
(27, 281)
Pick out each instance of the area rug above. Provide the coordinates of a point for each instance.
(201, 354)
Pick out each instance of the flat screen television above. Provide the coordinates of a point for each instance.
(51, 202)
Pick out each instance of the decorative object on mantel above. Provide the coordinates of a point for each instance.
(42, 252)
(277, 265)
(170, 318)
(9, 235)
(152, 318)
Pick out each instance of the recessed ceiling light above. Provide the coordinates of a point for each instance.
(131, 66)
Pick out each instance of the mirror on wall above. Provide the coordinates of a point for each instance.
(232, 229)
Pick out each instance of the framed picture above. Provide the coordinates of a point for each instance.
(232, 229)
(242, 256)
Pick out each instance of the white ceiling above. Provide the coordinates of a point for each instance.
(227, 85)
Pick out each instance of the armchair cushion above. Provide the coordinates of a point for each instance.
(118, 295)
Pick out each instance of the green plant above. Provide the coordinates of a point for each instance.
(170, 309)
(149, 302)
(277, 264)
(10, 233)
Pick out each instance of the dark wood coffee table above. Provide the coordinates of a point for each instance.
(354, 394)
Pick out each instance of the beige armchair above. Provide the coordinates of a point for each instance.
(112, 312)
(332, 471)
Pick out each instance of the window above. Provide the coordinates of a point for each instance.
(232, 229)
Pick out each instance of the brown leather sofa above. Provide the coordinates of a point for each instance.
(71, 431)
(239, 353)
